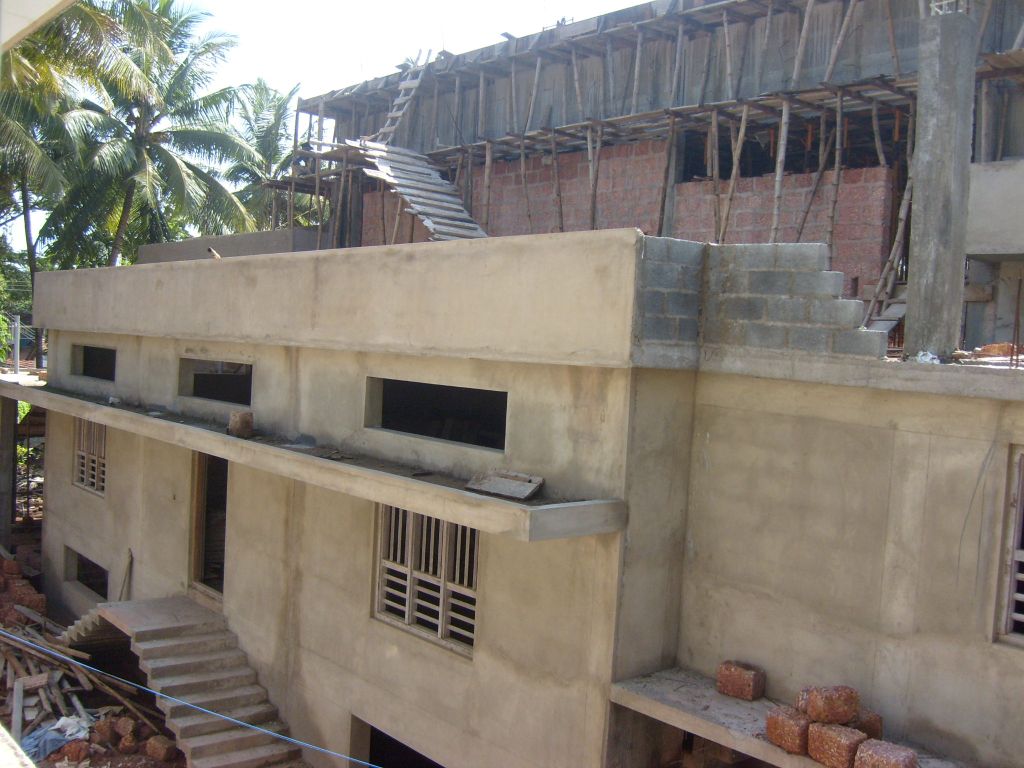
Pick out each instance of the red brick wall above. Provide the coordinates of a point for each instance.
(629, 191)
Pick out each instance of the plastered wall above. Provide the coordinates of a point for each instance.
(848, 535)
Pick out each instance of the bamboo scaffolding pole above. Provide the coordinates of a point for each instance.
(780, 167)
(316, 169)
(559, 217)
(1018, 42)
(819, 173)
(458, 110)
(609, 59)
(877, 132)
(895, 253)
(801, 45)
(677, 64)
(1003, 115)
(337, 218)
(398, 220)
(716, 170)
(670, 148)
(480, 113)
(522, 183)
(837, 170)
(576, 84)
(763, 52)
(637, 69)
(706, 72)
(533, 94)
(743, 59)
(295, 149)
(837, 46)
(434, 112)
(891, 29)
(595, 170)
(727, 42)
(737, 152)
(512, 100)
(983, 26)
(485, 221)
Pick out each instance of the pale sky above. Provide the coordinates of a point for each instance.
(329, 44)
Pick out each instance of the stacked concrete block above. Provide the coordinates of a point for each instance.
(834, 746)
(787, 728)
(835, 704)
(783, 297)
(880, 754)
(740, 680)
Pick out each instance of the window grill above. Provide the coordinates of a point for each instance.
(428, 571)
(1015, 604)
(90, 456)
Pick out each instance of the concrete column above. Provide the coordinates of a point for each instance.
(942, 157)
(8, 440)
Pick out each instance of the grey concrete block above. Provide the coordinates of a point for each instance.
(723, 280)
(688, 329)
(682, 303)
(860, 342)
(817, 283)
(660, 275)
(841, 313)
(685, 252)
(725, 332)
(657, 328)
(776, 281)
(786, 309)
(766, 336)
(809, 338)
(792, 256)
(656, 248)
(741, 308)
(652, 302)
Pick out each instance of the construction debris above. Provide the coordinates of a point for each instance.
(512, 485)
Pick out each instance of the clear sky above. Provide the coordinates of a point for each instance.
(328, 44)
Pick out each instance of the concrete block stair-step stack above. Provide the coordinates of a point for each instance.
(188, 652)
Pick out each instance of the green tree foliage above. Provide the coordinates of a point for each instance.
(264, 117)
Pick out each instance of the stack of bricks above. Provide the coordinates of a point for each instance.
(829, 725)
(15, 590)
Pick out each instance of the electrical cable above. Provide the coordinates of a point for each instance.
(281, 736)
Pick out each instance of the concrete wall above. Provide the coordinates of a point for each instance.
(298, 591)
(564, 422)
(244, 244)
(497, 300)
(845, 535)
(145, 509)
(993, 227)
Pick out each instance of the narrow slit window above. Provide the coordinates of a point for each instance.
(459, 414)
(90, 456)
(427, 575)
(94, 362)
(215, 380)
(87, 573)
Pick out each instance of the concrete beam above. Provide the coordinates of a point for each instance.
(942, 157)
(366, 479)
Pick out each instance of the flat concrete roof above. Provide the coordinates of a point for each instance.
(688, 700)
(375, 480)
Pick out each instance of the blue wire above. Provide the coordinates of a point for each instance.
(69, 660)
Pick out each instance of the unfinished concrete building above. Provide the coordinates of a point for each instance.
(511, 500)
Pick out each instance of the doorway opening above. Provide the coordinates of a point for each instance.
(385, 750)
(211, 521)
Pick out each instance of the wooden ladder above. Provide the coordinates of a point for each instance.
(407, 87)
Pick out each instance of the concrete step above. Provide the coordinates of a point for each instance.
(179, 630)
(218, 700)
(202, 682)
(235, 739)
(200, 724)
(177, 646)
(257, 757)
(193, 662)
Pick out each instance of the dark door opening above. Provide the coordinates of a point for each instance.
(392, 753)
(211, 521)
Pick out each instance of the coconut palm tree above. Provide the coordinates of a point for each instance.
(264, 114)
(157, 153)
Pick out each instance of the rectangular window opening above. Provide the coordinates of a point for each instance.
(1015, 601)
(427, 576)
(215, 380)
(90, 456)
(87, 573)
(94, 362)
(459, 414)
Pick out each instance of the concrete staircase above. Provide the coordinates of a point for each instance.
(188, 652)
